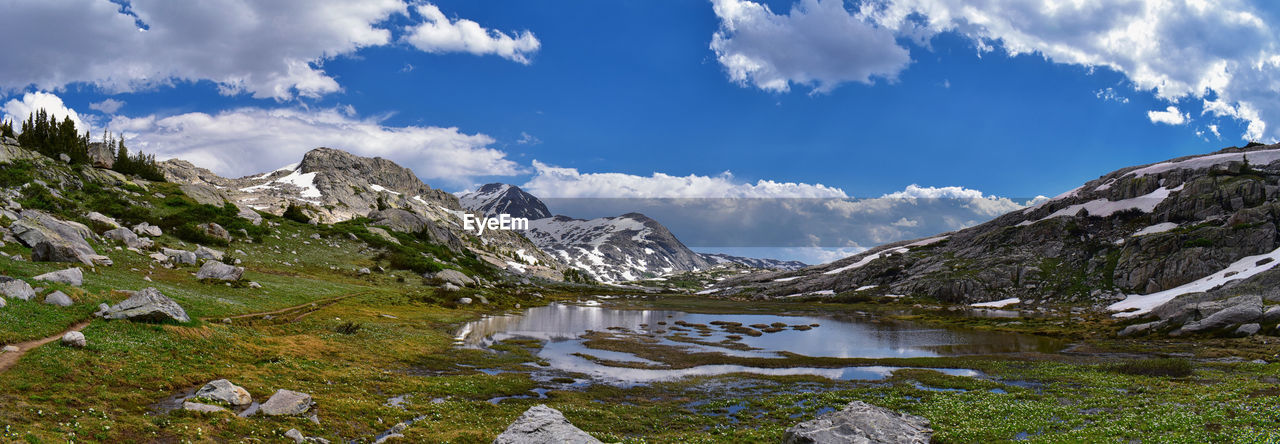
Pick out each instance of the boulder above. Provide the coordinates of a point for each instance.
(159, 257)
(202, 408)
(180, 256)
(296, 436)
(1248, 329)
(67, 241)
(1271, 315)
(542, 424)
(1243, 310)
(249, 214)
(219, 271)
(103, 219)
(860, 422)
(70, 276)
(58, 298)
(74, 339)
(224, 391)
(286, 402)
(101, 155)
(128, 238)
(1140, 328)
(3, 304)
(363, 271)
(384, 235)
(204, 194)
(454, 277)
(147, 229)
(215, 231)
(464, 301)
(148, 305)
(16, 288)
(206, 253)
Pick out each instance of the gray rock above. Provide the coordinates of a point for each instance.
(1248, 329)
(399, 220)
(214, 230)
(454, 277)
(64, 157)
(102, 219)
(202, 408)
(17, 289)
(295, 435)
(180, 256)
(363, 271)
(101, 156)
(384, 235)
(219, 271)
(58, 298)
(147, 229)
(286, 402)
(1271, 315)
(254, 285)
(159, 257)
(860, 422)
(128, 238)
(1244, 309)
(74, 339)
(541, 424)
(70, 276)
(1140, 328)
(102, 310)
(464, 301)
(207, 253)
(148, 305)
(224, 391)
(249, 214)
(3, 304)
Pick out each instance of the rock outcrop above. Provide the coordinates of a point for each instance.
(541, 424)
(286, 402)
(219, 271)
(860, 422)
(148, 305)
(454, 277)
(71, 276)
(55, 240)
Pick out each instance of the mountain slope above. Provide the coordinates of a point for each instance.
(499, 198)
(335, 186)
(1137, 231)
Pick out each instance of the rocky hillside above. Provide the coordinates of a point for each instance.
(753, 262)
(1131, 240)
(332, 185)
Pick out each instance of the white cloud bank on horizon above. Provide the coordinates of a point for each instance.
(267, 48)
(559, 182)
(1174, 49)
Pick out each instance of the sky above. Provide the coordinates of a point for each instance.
(999, 99)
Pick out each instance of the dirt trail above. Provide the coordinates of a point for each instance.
(8, 359)
(304, 309)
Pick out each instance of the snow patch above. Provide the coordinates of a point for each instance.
(1262, 157)
(997, 304)
(1157, 228)
(1103, 208)
(1241, 269)
(866, 260)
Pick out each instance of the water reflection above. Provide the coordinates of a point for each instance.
(562, 326)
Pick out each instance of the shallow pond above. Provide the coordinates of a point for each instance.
(838, 336)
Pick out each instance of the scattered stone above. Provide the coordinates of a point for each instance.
(287, 402)
(214, 230)
(542, 424)
(71, 276)
(11, 348)
(224, 391)
(363, 271)
(74, 339)
(3, 303)
(1271, 315)
(180, 256)
(64, 157)
(147, 229)
(58, 298)
(1139, 328)
(1248, 329)
(1243, 310)
(384, 235)
(128, 238)
(148, 305)
(102, 310)
(249, 214)
(254, 285)
(315, 235)
(295, 435)
(860, 422)
(219, 271)
(464, 301)
(103, 219)
(17, 289)
(454, 277)
(159, 257)
(202, 408)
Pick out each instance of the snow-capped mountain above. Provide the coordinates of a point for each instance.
(499, 198)
(610, 249)
(753, 262)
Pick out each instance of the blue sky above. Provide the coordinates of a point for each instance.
(637, 98)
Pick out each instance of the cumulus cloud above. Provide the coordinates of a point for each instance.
(270, 49)
(818, 43)
(438, 34)
(1176, 49)
(558, 182)
(1170, 116)
(108, 106)
(245, 141)
(16, 110)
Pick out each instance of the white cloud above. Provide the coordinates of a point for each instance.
(438, 34)
(558, 182)
(108, 106)
(985, 205)
(251, 140)
(270, 49)
(1214, 129)
(1177, 49)
(528, 139)
(17, 111)
(1170, 116)
(906, 223)
(818, 43)
(1109, 94)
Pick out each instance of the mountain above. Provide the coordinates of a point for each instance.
(500, 198)
(1190, 228)
(334, 185)
(610, 249)
(752, 262)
